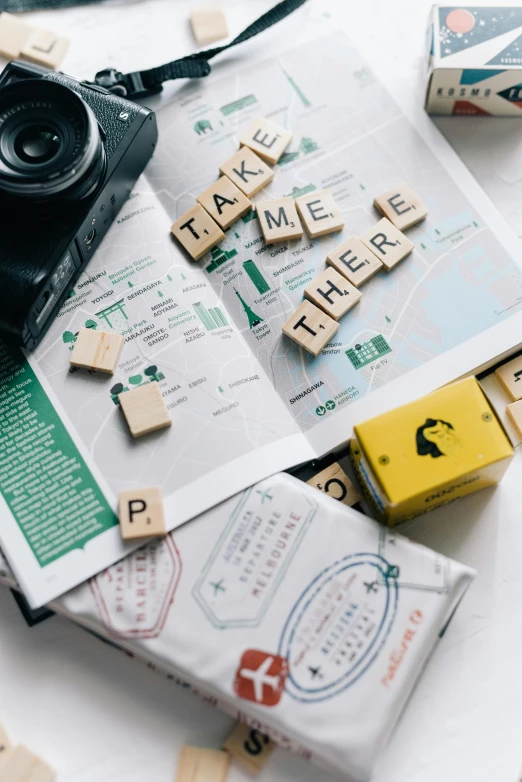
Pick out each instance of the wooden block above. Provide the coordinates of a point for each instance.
(332, 293)
(310, 327)
(249, 746)
(21, 765)
(510, 375)
(388, 243)
(5, 746)
(319, 213)
(197, 232)
(402, 206)
(144, 409)
(354, 261)
(279, 220)
(224, 202)
(334, 482)
(514, 411)
(141, 513)
(246, 170)
(202, 765)
(45, 48)
(99, 350)
(14, 34)
(208, 23)
(266, 139)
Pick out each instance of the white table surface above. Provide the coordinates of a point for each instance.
(97, 715)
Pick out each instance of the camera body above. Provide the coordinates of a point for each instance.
(70, 153)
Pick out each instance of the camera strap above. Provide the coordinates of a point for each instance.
(149, 82)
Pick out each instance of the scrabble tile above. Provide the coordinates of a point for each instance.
(402, 206)
(208, 23)
(279, 220)
(141, 513)
(246, 170)
(224, 202)
(310, 327)
(99, 350)
(514, 411)
(510, 375)
(144, 409)
(354, 261)
(21, 765)
(388, 243)
(5, 746)
(332, 293)
(202, 765)
(266, 139)
(249, 746)
(45, 48)
(197, 232)
(334, 482)
(14, 35)
(319, 213)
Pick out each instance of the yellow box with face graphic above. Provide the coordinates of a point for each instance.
(429, 452)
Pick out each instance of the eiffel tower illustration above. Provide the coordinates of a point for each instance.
(253, 320)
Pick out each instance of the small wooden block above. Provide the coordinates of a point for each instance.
(5, 746)
(334, 482)
(402, 206)
(208, 23)
(279, 220)
(14, 34)
(388, 243)
(144, 409)
(354, 261)
(510, 375)
(141, 513)
(249, 746)
(45, 48)
(224, 202)
(332, 293)
(310, 327)
(319, 213)
(197, 232)
(202, 765)
(21, 765)
(99, 350)
(246, 170)
(514, 411)
(266, 139)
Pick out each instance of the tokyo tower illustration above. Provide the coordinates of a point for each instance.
(253, 320)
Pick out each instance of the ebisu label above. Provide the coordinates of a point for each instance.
(339, 626)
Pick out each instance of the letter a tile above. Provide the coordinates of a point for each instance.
(332, 293)
(266, 139)
(401, 206)
(224, 202)
(319, 213)
(279, 220)
(310, 327)
(141, 513)
(197, 232)
(388, 243)
(246, 170)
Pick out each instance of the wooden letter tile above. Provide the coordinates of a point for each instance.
(144, 409)
(202, 765)
(224, 202)
(279, 220)
(99, 350)
(510, 375)
(310, 327)
(141, 513)
(401, 206)
(334, 482)
(514, 411)
(197, 232)
(14, 34)
(5, 746)
(21, 765)
(246, 170)
(320, 213)
(354, 261)
(266, 139)
(208, 23)
(249, 747)
(332, 293)
(388, 243)
(45, 48)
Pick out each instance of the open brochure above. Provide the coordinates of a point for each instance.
(245, 401)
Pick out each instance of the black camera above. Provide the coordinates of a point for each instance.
(70, 153)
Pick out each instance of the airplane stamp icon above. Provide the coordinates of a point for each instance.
(261, 677)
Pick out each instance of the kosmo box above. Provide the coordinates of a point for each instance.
(429, 452)
(475, 61)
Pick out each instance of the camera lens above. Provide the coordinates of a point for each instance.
(50, 143)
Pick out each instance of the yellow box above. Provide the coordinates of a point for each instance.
(429, 452)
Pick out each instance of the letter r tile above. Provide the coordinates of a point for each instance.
(388, 243)
(141, 513)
